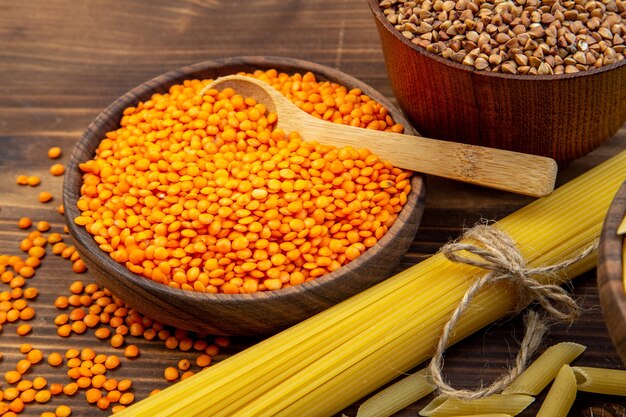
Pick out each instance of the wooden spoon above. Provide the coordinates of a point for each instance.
(504, 170)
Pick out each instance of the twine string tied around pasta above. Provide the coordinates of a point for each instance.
(496, 252)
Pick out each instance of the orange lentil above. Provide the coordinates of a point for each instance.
(17, 406)
(100, 358)
(98, 369)
(87, 354)
(12, 376)
(271, 188)
(24, 223)
(47, 414)
(27, 313)
(112, 362)
(61, 302)
(98, 381)
(55, 359)
(211, 350)
(91, 320)
(33, 180)
(186, 375)
(24, 384)
(57, 169)
(83, 382)
(63, 411)
(25, 348)
(22, 366)
(28, 395)
(70, 389)
(44, 197)
(117, 340)
(23, 329)
(43, 396)
(102, 333)
(39, 382)
(114, 396)
(11, 393)
(131, 351)
(78, 266)
(73, 362)
(92, 395)
(124, 385)
(103, 403)
(79, 327)
(170, 373)
(222, 341)
(61, 319)
(184, 364)
(43, 226)
(22, 180)
(64, 330)
(56, 388)
(110, 384)
(34, 356)
(127, 398)
(54, 152)
(203, 360)
(77, 287)
(118, 408)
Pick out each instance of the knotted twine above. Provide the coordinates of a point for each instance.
(496, 252)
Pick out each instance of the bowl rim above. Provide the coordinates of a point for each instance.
(79, 233)
(379, 15)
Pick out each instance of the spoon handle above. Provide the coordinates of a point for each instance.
(495, 168)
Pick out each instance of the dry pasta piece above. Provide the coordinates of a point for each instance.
(600, 380)
(561, 395)
(443, 406)
(398, 396)
(544, 369)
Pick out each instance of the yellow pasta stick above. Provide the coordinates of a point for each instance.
(397, 396)
(600, 380)
(511, 404)
(561, 395)
(544, 369)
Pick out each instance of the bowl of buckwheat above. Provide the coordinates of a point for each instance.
(541, 77)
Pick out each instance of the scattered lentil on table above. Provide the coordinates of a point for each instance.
(89, 308)
(203, 193)
(515, 37)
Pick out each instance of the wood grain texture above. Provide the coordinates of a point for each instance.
(241, 314)
(488, 167)
(610, 273)
(560, 116)
(62, 62)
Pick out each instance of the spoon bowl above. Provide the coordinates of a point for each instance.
(495, 168)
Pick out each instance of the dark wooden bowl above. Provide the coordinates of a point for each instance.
(241, 314)
(610, 273)
(559, 116)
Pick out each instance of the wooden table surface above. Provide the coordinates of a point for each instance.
(62, 62)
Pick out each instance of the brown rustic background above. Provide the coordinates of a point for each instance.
(62, 62)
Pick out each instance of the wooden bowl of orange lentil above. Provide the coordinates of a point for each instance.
(194, 211)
